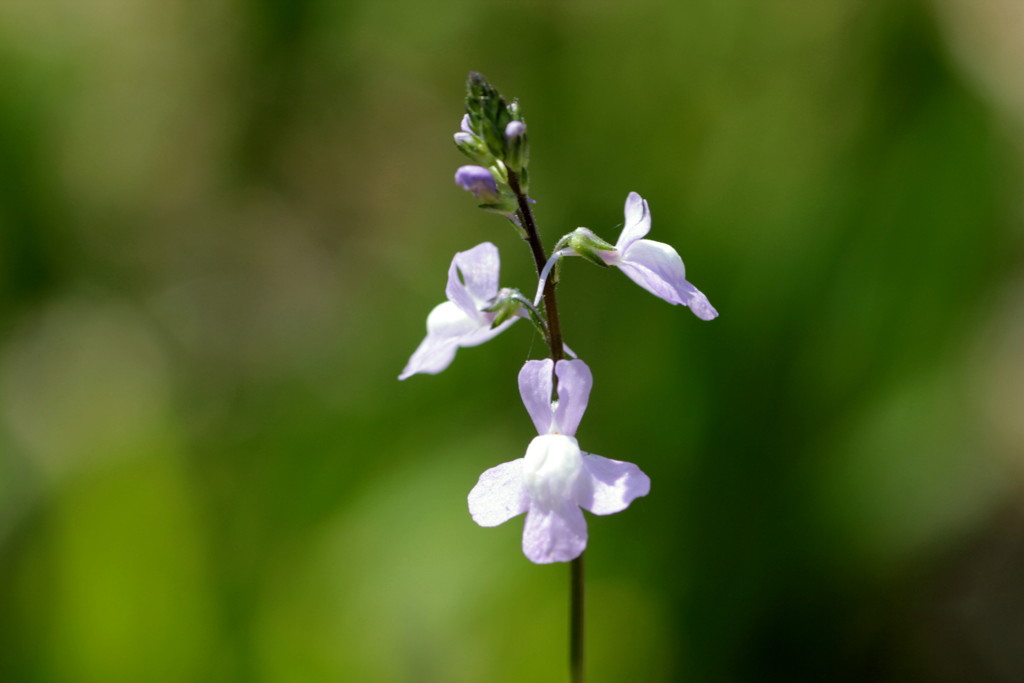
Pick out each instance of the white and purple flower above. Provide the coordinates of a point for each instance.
(461, 320)
(555, 478)
(655, 266)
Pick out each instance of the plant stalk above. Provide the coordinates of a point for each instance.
(557, 353)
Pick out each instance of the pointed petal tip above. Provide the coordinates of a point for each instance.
(701, 307)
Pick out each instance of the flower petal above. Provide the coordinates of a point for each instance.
(657, 267)
(611, 486)
(698, 303)
(473, 278)
(535, 388)
(574, 382)
(499, 495)
(558, 535)
(484, 333)
(638, 221)
(447, 324)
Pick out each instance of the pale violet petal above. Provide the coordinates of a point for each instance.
(499, 495)
(465, 124)
(466, 277)
(574, 382)
(535, 388)
(484, 333)
(431, 357)
(457, 293)
(611, 257)
(611, 486)
(656, 267)
(558, 535)
(697, 302)
(480, 266)
(638, 221)
(447, 325)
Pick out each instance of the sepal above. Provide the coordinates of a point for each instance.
(507, 305)
(585, 243)
(510, 303)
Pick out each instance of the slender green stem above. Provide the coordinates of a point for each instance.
(555, 343)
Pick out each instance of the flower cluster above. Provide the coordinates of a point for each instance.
(555, 480)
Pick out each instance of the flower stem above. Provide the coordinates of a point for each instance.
(539, 259)
(557, 347)
(576, 621)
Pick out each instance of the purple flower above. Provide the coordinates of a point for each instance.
(479, 181)
(655, 266)
(461, 320)
(555, 478)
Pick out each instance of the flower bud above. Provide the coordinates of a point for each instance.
(515, 129)
(479, 181)
(472, 147)
(488, 114)
(518, 154)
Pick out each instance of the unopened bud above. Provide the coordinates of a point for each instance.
(488, 114)
(473, 147)
(515, 129)
(518, 155)
(479, 181)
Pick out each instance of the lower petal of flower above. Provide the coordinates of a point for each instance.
(447, 324)
(433, 355)
(554, 535)
(697, 302)
(656, 267)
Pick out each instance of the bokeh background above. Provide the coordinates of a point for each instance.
(222, 224)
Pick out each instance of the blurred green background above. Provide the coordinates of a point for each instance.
(222, 225)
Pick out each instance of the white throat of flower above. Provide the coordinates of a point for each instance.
(551, 469)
